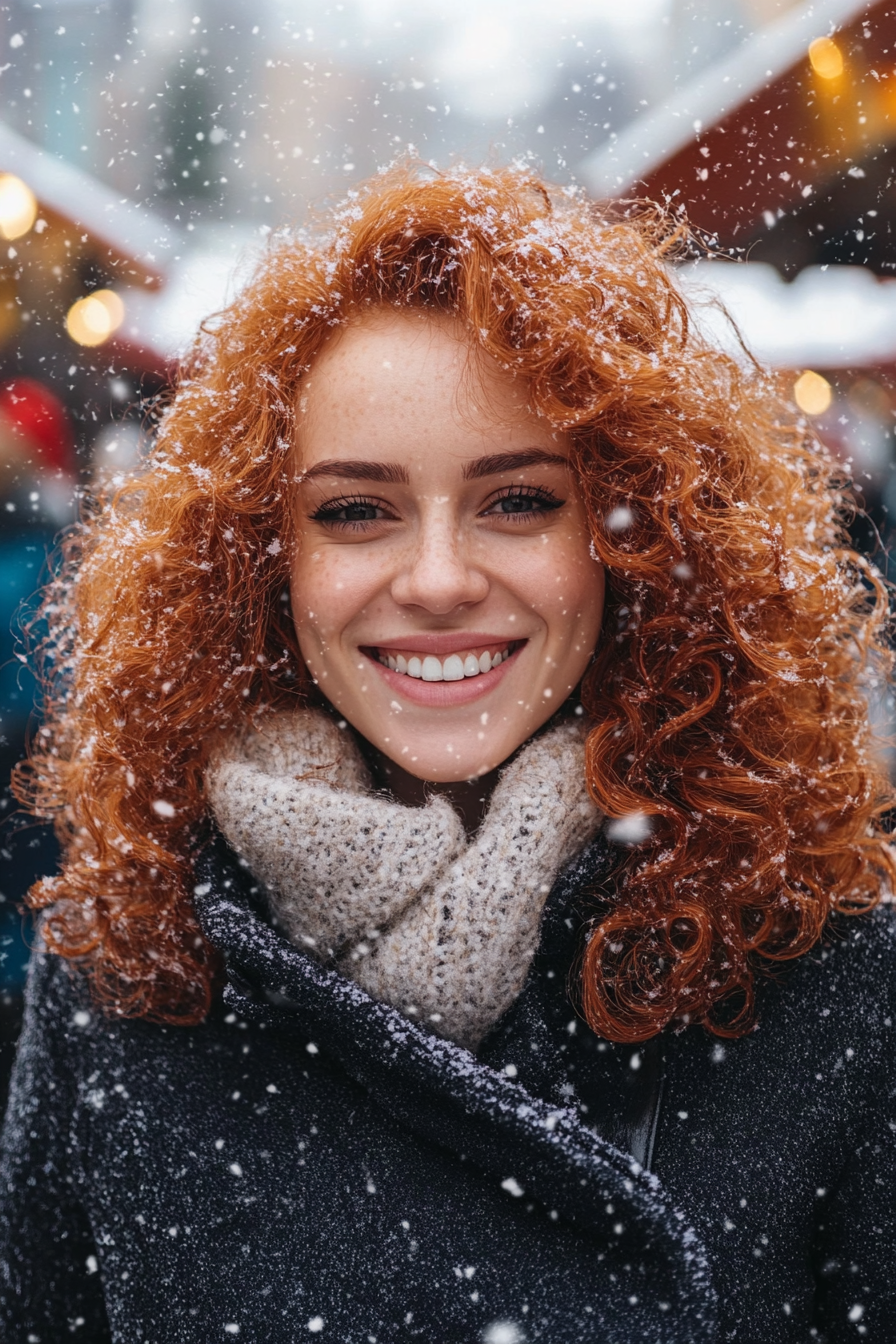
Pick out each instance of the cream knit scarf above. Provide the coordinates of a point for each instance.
(396, 897)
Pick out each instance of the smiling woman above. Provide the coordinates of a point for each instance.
(448, 734)
(439, 524)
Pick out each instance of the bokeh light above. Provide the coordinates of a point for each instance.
(94, 318)
(812, 393)
(826, 58)
(18, 207)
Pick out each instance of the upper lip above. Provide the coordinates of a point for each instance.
(443, 644)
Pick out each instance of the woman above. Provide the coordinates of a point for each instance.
(459, 738)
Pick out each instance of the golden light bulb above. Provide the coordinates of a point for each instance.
(826, 58)
(93, 319)
(812, 393)
(18, 206)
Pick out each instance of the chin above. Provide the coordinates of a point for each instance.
(433, 763)
(452, 774)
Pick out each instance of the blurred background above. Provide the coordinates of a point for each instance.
(147, 147)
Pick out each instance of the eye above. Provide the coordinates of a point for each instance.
(522, 502)
(351, 512)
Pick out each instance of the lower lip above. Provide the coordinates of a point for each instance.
(444, 694)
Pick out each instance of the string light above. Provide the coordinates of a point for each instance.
(93, 319)
(18, 207)
(826, 58)
(812, 393)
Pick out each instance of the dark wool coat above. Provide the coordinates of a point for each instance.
(309, 1162)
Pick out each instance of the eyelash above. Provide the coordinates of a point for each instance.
(544, 501)
(327, 512)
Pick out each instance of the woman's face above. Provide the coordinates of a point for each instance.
(442, 588)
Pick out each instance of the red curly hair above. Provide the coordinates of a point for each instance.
(728, 699)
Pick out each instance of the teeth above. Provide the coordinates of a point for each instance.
(454, 668)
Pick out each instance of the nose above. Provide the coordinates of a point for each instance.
(439, 574)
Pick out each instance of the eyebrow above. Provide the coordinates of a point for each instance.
(496, 464)
(390, 473)
(387, 473)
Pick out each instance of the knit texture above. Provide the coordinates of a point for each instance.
(396, 897)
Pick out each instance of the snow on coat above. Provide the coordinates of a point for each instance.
(308, 1161)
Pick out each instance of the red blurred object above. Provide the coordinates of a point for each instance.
(36, 414)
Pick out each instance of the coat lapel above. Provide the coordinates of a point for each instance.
(451, 1098)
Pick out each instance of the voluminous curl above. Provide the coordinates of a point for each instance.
(728, 697)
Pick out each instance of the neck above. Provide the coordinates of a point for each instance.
(469, 797)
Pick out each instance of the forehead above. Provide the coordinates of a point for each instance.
(390, 369)
(427, 335)
(411, 389)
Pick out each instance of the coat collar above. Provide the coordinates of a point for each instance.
(449, 1097)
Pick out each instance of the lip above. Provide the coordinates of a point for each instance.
(444, 694)
(442, 645)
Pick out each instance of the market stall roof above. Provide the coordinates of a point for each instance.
(758, 132)
(203, 278)
(129, 237)
(829, 317)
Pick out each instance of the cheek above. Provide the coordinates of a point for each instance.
(318, 594)
(587, 611)
(329, 588)
(584, 594)
(574, 624)
(564, 585)
(571, 606)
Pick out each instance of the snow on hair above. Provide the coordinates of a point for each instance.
(728, 693)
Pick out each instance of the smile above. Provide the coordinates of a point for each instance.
(438, 673)
(459, 666)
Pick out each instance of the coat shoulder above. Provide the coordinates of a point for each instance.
(57, 1000)
(847, 981)
(862, 949)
